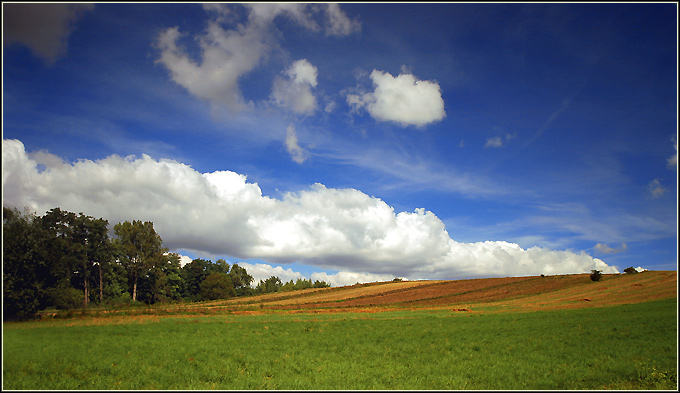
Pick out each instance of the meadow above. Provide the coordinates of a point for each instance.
(627, 346)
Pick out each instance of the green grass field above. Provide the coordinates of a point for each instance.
(622, 347)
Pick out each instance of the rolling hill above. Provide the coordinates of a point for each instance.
(485, 294)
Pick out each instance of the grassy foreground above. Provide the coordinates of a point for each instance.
(621, 347)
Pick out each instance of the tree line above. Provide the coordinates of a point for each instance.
(65, 260)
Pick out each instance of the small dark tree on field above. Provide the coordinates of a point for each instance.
(630, 270)
(595, 275)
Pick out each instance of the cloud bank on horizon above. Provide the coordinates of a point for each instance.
(222, 214)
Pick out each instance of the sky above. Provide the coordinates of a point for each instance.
(355, 142)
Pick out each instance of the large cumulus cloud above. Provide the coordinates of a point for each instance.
(221, 213)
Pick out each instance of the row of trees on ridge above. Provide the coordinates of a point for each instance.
(65, 260)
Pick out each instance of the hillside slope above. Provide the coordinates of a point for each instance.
(488, 294)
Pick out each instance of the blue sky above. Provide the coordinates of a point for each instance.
(355, 142)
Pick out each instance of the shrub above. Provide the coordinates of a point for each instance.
(595, 275)
(122, 299)
(630, 270)
(65, 298)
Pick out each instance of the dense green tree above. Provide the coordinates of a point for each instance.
(100, 252)
(219, 266)
(164, 281)
(139, 248)
(287, 287)
(321, 284)
(66, 260)
(272, 284)
(91, 248)
(59, 246)
(71, 244)
(193, 274)
(115, 283)
(241, 280)
(196, 271)
(22, 286)
(56, 253)
(217, 286)
(302, 283)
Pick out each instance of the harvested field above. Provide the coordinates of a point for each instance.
(561, 291)
(507, 294)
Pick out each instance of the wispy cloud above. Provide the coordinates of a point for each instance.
(553, 116)
(297, 153)
(605, 249)
(655, 188)
(499, 141)
(401, 169)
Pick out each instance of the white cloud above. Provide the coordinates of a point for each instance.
(220, 213)
(262, 271)
(655, 188)
(297, 153)
(338, 22)
(295, 92)
(183, 260)
(349, 278)
(495, 141)
(330, 107)
(303, 71)
(44, 28)
(499, 141)
(228, 54)
(404, 100)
